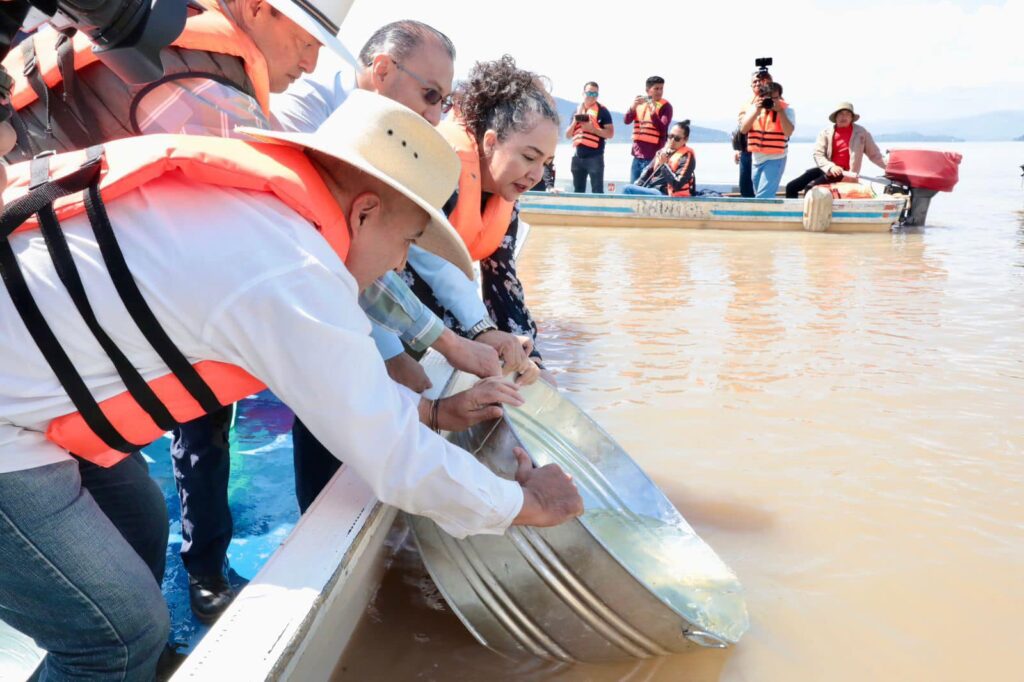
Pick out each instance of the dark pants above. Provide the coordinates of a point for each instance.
(813, 176)
(746, 175)
(314, 465)
(201, 460)
(584, 167)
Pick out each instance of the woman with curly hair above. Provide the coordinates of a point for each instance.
(504, 127)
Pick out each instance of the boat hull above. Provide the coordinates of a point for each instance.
(715, 213)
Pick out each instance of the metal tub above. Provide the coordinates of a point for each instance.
(629, 579)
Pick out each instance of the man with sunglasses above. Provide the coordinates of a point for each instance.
(413, 64)
(588, 130)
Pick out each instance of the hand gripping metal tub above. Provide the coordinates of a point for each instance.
(629, 579)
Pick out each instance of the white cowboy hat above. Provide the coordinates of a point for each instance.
(397, 146)
(844, 105)
(320, 18)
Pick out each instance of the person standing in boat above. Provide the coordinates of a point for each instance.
(650, 115)
(504, 128)
(226, 64)
(108, 338)
(768, 126)
(839, 152)
(671, 173)
(589, 129)
(427, 90)
(759, 80)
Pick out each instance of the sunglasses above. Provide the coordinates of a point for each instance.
(431, 95)
(676, 138)
(591, 93)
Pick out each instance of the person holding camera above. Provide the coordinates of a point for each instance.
(838, 152)
(768, 125)
(588, 130)
(671, 171)
(650, 116)
(758, 80)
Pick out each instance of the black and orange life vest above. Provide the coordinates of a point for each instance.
(105, 432)
(683, 155)
(64, 98)
(482, 230)
(582, 138)
(767, 136)
(644, 129)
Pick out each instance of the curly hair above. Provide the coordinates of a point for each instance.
(501, 97)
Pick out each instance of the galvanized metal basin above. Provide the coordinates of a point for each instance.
(629, 579)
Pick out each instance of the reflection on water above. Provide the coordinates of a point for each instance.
(838, 416)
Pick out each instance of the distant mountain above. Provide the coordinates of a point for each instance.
(994, 125)
(1019, 139)
(624, 133)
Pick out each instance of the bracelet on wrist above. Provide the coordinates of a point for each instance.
(434, 408)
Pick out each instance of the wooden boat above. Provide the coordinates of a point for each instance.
(722, 213)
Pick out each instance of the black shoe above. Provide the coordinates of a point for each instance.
(170, 660)
(209, 596)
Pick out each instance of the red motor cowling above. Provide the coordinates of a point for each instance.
(922, 169)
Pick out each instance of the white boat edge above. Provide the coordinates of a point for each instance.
(294, 619)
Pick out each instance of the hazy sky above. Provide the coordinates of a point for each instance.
(894, 60)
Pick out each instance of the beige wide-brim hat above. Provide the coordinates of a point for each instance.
(844, 105)
(397, 146)
(320, 18)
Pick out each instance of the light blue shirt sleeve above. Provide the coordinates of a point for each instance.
(388, 344)
(307, 103)
(390, 303)
(451, 287)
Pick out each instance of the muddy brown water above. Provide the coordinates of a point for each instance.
(839, 416)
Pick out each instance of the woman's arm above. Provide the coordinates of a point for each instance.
(502, 290)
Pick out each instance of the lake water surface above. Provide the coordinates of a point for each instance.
(840, 416)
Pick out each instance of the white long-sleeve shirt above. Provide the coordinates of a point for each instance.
(238, 277)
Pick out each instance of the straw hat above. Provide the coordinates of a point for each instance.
(398, 147)
(844, 105)
(320, 18)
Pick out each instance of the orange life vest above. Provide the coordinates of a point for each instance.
(580, 137)
(644, 129)
(767, 135)
(124, 166)
(674, 162)
(109, 103)
(481, 230)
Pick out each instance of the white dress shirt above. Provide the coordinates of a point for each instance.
(238, 277)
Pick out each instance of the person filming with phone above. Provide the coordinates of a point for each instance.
(650, 116)
(590, 128)
(671, 171)
(768, 123)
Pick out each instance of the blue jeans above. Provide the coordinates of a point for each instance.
(746, 181)
(637, 168)
(645, 191)
(72, 580)
(201, 460)
(767, 176)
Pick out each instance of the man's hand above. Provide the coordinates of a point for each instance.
(736, 158)
(640, 99)
(406, 371)
(514, 352)
(589, 127)
(476, 358)
(480, 403)
(834, 173)
(550, 497)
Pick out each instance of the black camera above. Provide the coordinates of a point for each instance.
(762, 64)
(128, 34)
(764, 89)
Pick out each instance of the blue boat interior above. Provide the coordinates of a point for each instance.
(261, 492)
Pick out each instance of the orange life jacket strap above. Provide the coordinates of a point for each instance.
(481, 228)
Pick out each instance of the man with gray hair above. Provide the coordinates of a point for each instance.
(412, 63)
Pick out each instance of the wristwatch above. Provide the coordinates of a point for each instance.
(484, 325)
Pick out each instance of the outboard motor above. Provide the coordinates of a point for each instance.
(922, 174)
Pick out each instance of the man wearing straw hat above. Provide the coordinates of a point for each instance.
(838, 152)
(297, 225)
